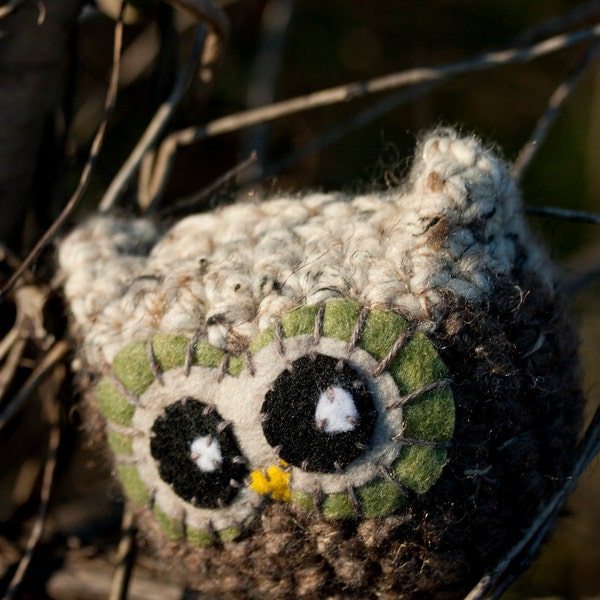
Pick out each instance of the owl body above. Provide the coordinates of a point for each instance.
(342, 389)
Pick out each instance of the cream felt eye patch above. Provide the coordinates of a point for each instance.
(353, 407)
(386, 383)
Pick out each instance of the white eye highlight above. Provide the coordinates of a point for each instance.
(336, 411)
(206, 453)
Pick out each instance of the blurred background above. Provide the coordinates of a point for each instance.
(279, 49)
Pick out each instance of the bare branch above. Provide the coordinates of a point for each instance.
(340, 131)
(579, 216)
(229, 176)
(347, 92)
(47, 481)
(562, 92)
(121, 576)
(155, 128)
(10, 6)
(563, 22)
(54, 356)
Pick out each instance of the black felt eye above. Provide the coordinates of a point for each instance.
(320, 414)
(197, 454)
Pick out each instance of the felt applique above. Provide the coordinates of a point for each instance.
(355, 404)
(388, 381)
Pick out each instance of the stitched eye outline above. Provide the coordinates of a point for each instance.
(411, 388)
(408, 379)
(133, 397)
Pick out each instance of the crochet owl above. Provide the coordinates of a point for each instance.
(331, 395)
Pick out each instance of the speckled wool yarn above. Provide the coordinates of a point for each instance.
(333, 395)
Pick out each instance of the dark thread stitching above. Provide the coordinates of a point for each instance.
(318, 330)
(249, 363)
(400, 439)
(153, 364)
(279, 338)
(358, 328)
(222, 368)
(127, 460)
(152, 498)
(317, 498)
(130, 432)
(430, 387)
(389, 477)
(223, 425)
(189, 355)
(402, 339)
(353, 500)
(183, 525)
(130, 396)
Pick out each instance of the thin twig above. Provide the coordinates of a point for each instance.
(211, 14)
(12, 361)
(54, 356)
(48, 478)
(519, 556)
(122, 574)
(580, 216)
(84, 180)
(563, 22)
(347, 92)
(156, 126)
(10, 6)
(223, 180)
(562, 92)
(344, 129)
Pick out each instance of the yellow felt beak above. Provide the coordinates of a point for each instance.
(274, 481)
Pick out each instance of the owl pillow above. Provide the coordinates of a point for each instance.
(332, 395)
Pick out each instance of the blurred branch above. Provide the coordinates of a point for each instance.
(579, 216)
(90, 578)
(47, 481)
(562, 92)
(345, 93)
(84, 180)
(54, 357)
(494, 583)
(155, 128)
(28, 325)
(209, 48)
(10, 6)
(211, 14)
(266, 69)
(121, 577)
(563, 22)
(225, 179)
(340, 131)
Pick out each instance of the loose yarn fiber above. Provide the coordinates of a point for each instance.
(331, 395)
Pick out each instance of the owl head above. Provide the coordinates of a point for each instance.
(332, 395)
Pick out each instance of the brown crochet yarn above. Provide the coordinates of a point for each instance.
(514, 372)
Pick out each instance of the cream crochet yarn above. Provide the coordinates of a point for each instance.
(330, 394)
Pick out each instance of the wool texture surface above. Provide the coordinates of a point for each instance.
(332, 395)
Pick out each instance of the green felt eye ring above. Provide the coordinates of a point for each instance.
(421, 380)
(141, 370)
(409, 383)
